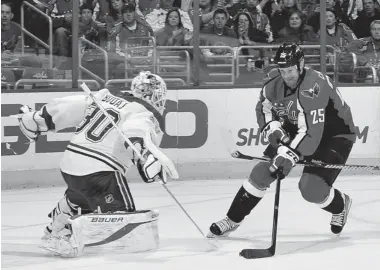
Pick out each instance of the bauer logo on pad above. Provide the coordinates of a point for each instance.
(312, 92)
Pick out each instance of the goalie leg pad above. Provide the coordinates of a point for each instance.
(60, 216)
(67, 246)
(127, 232)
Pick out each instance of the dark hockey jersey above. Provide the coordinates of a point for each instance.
(313, 112)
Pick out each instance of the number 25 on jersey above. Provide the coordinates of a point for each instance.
(318, 116)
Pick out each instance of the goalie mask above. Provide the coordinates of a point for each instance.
(151, 88)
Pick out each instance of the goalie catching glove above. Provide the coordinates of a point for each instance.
(31, 123)
(275, 134)
(284, 161)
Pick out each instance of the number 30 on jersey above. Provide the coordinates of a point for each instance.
(318, 116)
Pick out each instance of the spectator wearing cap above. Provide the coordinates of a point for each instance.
(10, 31)
(366, 17)
(173, 33)
(217, 34)
(157, 17)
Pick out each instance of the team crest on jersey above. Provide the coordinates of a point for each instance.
(312, 92)
(283, 109)
(109, 198)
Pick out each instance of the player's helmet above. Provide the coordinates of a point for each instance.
(151, 88)
(289, 55)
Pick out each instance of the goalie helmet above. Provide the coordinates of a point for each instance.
(151, 88)
(289, 55)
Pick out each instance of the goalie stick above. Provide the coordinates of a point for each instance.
(166, 163)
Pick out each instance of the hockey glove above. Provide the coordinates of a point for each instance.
(150, 170)
(28, 124)
(284, 161)
(275, 134)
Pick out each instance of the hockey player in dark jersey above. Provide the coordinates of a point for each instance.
(303, 116)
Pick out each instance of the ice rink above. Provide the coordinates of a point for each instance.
(304, 238)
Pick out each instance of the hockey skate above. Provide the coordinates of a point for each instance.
(339, 220)
(222, 228)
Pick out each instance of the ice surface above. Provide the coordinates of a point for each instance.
(304, 238)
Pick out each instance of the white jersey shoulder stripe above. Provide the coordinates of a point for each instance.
(302, 127)
(267, 108)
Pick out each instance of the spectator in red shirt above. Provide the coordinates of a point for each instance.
(10, 31)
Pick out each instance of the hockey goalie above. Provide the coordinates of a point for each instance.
(97, 208)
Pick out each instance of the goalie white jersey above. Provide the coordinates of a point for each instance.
(96, 145)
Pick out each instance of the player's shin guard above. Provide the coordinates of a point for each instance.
(245, 200)
(338, 204)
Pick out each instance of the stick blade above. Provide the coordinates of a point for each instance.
(256, 253)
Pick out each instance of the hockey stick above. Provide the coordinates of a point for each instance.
(268, 252)
(319, 164)
(229, 144)
(169, 168)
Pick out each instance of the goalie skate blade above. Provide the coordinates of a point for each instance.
(256, 253)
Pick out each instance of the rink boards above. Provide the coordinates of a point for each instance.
(193, 123)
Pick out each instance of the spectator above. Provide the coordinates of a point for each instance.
(338, 35)
(88, 28)
(237, 7)
(206, 12)
(260, 20)
(156, 18)
(115, 19)
(280, 16)
(366, 17)
(129, 28)
(297, 31)
(248, 35)
(173, 33)
(10, 31)
(368, 48)
(314, 14)
(217, 34)
(348, 10)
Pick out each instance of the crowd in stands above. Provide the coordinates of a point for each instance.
(352, 26)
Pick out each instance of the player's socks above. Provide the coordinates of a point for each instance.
(241, 206)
